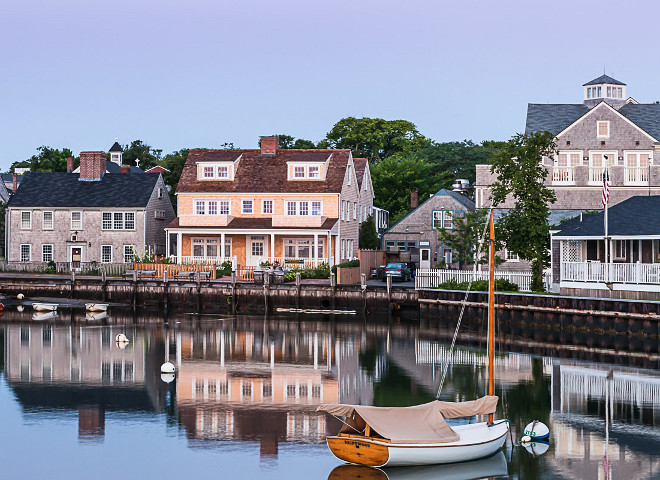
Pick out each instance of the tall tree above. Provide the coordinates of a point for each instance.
(174, 162)
(376, 138)
(520, 174)
(368, 236)
(394, 177)
(141, 155)
(288, 141)
(465, 236)
(47, 160)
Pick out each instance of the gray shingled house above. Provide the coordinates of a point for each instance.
(418, 230)
(630, 268)
(93, 216)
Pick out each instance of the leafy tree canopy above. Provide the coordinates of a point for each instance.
(465, 236)
(288, 141)
(47, 160)
(141, 155)
(376, 138)
(368, 236)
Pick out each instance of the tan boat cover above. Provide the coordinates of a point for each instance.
(418, 424)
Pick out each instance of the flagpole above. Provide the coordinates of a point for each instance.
(606, 178)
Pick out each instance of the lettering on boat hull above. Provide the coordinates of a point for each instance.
(358, 451)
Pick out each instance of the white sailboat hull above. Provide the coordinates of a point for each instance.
(478, 440)
(44, 307)
(96, 307)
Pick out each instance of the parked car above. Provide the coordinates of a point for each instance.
(398, 270)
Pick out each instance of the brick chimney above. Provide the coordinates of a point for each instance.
(269, 146)
(125, 169)
(14, 182)
(69, 164)
(92, 166)
(413, 198)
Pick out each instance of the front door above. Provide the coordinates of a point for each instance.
(257, 250)
(76, 256)
(424, 258)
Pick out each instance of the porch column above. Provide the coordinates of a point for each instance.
(222, 246)
(272, 248)
(315, 255)
(167, 243)
(328, 247)
(179, 247)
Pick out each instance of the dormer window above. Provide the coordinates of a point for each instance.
(223, 171)
(304, 171)
(314, 172)
(299, 172)
(208, 172)
(216, 171)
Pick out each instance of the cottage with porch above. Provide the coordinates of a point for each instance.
(628, 268)
(292, 207)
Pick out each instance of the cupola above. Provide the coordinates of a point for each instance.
(116, 153)
(604, 88)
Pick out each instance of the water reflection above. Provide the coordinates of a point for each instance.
(252, 385)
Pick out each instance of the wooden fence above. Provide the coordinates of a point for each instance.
(434, 277)
(172, 269)
(369, 259)
(82, 268)
(348, 275)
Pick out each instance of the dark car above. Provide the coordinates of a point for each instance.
(398, 270)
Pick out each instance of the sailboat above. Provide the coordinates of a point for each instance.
(420, 435)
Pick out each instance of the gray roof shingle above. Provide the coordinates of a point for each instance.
(552, 117)
(65, 190)
(116, 148)
(603, 79)
(636, 216)
(645, 115)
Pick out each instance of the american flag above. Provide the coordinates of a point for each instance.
(606, 187)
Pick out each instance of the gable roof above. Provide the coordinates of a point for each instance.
(116, 148)
(112, 167)
(360, 166)
(58, 189)
(638, 215)
(462, 199)
(603, 79)
(265, 174)
(157, 169)
(645, 115)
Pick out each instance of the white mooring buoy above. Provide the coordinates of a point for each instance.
(20, 296)
(167, 377)
(20, 308)
(167, 367)
(537, 448)
(121, 338)
(537, 431)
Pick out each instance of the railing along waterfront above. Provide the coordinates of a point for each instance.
(433, 278)
(610, 272)
(82, 268)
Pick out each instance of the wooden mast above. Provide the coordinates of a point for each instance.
(491, 311)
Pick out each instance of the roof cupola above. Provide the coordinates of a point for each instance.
(604, 89)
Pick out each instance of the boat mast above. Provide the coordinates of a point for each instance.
(491, 311)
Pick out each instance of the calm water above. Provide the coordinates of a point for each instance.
(74, 405)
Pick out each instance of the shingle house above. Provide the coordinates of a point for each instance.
(266, 205)
(366, 206)
(91, 216)
(581, 266)
(420, 227)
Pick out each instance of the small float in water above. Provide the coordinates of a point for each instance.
(47, 315)
(92, 316)
(44, 307)
(96, 307)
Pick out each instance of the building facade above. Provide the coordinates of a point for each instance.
(268, 205)
(88, 217)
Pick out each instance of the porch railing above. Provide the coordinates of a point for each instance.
(610, 272)
(433, 278)
(185, 260)
(636, 175)
(563, 175)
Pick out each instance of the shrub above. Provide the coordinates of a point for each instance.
(223, 269)
(322, 271)
(501, 285)
(350, 263)
(51, 267)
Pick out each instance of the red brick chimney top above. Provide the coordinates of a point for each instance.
(92, 166)
(413, 198)
(69, 164)
(269, 146)
(14, 182)
(125, 169)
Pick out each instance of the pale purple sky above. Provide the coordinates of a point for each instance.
(78, 73)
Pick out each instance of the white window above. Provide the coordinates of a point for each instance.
(317, 208)
(47, 223)
(298, 172)
(291, 208)
(314, 172)
(46, 253)
(107, 221)
(448, 220)
(213, 207)
(303, 208)
(620, 249)
(129, 253)
(223, 171)
(437, 218)
(355, 210)
(638, 159)
(200, 207)
(350, 174)
(129, 221)
(257, 248)
(227, 247)
(26, 252)
(509, 256)
(224, 207)
(26, 220)
(603, 129)
(198, 247)
(118, 221)
(160, 192)
(208, 172)
(267, 206)
(343, 249)
(246, 206)
(106, 253)
(76, 220)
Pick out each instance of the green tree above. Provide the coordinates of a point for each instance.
(174, 162)
(368, 236)
(141, 155)
(287, 142)
(376, 138)
(464, 238)
(394, 177)
(47, 160)
(520, 175)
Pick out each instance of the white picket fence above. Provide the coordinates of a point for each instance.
(432, 278)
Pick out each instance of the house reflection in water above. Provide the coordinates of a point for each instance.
(75, 368)
(263, 386)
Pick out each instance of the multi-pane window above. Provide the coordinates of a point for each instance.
(448, 221)
(314, 172)
(129, 221)
(257, 248)
(355, 210)
(316, 208)
(302, 248)
(305, 171)
(299, 172)
(107, 221)
(266, 206)
(223, 171)
(208, 172)
(401, 245)
(26, 252)
(26, 220)
(118, 221)
(129, 253)
(620, 249)
(208, 247)
(638, 159)
(106, 253)
(246, 206)
(291, 208)
(224, 207)
(213, 207)
(46, 253)
(603, 129)
(76, 220)
(303, 208)
(200, 207)
(510, 256)
(47, 223)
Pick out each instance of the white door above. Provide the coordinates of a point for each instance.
(257, 250)
(424, 258)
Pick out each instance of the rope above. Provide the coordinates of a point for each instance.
(350, 426)
(458, 324)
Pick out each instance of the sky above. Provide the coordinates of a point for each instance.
(199, 73)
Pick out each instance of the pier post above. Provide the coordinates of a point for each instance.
(297, 289)
(389, 288)
(266, 290)
(233, 292)
(104, 286)
(363, 284)
(166, 293)
(73, 283)
(333, 287)
(198, 280)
